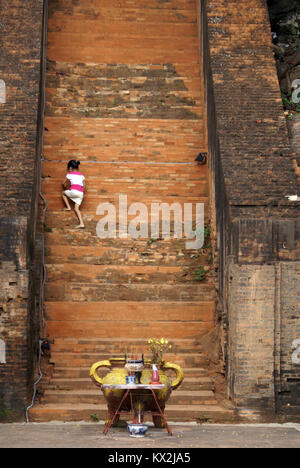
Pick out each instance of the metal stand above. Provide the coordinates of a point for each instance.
(128, 389)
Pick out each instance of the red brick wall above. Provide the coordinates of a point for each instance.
(20, 36)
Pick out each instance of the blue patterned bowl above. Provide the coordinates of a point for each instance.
(137, 430)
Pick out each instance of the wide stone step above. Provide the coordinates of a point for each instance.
(131, 311)
(84, 372)
(96, 329)
(88, 238)
(91, 203)
(96, 397)
(138, 188)
(98, 232)
(192, 397)
(117, 345)
(147, 253)
(121, 140)
(97, 54)
(154, 141)
(84, 412)
(87, 150)
(78, 38)
(117, 103)
(162, 78)
(120, 109)
(66, 359)
(115, 94)
(129, 29)
(105, 172)
(83, 292)
(189, 383)
(149, 133)
(117, 13)
(113, 154)
(61, 229)
(199, 413)
(121, 274)
(141, 4)
(139, 217)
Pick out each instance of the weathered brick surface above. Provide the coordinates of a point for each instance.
(264, 315)
(257, 228)
(288, 345)
(123, 91)
(251, 337)
(294, 126)
(135, 140)
(14, 313)
(21, 29)
(275, 240)
(254, 147)
(20, 35)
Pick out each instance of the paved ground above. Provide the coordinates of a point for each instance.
(89, 435)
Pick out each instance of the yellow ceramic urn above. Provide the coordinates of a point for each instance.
(139, 399)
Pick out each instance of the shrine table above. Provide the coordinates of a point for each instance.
(133, 390)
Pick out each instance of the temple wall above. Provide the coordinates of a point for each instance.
(20, 249)
(257, 228)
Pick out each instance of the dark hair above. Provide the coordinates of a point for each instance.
(73, 164)
(201, 158)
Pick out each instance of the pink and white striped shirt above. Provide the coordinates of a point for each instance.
(76, 179)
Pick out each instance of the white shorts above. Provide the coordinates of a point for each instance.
(75, 196)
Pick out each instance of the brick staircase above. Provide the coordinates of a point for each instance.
(125, 97)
